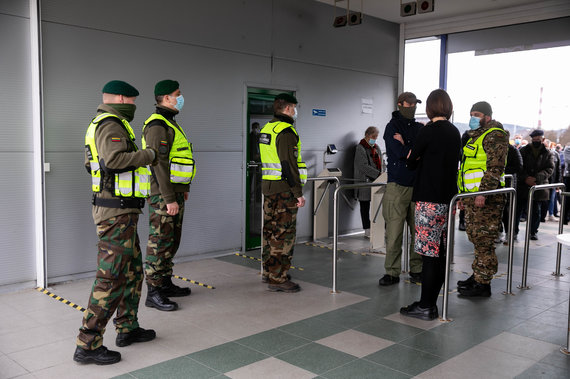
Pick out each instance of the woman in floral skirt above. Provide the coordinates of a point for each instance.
(435, 157)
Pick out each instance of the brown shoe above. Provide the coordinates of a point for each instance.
(287, 286)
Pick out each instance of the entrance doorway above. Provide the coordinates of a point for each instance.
(259, 112)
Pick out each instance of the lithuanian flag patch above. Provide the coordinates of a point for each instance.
(115, 139)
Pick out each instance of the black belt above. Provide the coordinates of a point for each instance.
(123, 202)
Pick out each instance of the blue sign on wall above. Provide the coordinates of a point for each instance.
(320, 112)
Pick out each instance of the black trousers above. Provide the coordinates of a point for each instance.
(365, 214)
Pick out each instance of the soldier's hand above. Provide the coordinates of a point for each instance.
(172, 208)
(301, 202)
(530, 181)
(480, 201)
(185, 196)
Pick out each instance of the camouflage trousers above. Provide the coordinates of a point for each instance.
(117, 283)
(482, 229)
(279, 229)
(164, 236)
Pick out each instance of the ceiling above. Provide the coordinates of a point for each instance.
(390, 9)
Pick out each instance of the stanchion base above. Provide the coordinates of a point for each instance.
(555, 274)
(448, 320)
(334, 292)
(564, 351)
(523, 288)
(509, 293)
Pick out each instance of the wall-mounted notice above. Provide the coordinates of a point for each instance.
(366, 105)
(320, 112)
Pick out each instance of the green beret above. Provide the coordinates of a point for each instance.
(287, 97)
(118, 87)
(483, 107)
(165, 87)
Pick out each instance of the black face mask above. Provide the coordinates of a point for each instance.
(536, 144)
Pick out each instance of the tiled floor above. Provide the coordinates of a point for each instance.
(240, 330)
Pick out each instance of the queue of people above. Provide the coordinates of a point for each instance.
(426, 165)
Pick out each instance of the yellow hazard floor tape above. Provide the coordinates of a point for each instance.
(54, 296)
(194, 282)
(259, 260)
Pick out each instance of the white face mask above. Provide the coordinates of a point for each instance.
(295, 114)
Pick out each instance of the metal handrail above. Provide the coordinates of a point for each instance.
(451, 234)
(531, 192)
(560, 231)
(335, 223)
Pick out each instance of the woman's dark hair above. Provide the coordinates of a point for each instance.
(438, 104)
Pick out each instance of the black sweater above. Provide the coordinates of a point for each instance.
(435, 157)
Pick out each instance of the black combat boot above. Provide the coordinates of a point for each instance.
(154, 299)
(467, 282)
(169, 289)
(99, 356)
(475, 289)
(135, 335)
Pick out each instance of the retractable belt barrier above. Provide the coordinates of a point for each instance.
(451, 236)
(531, 192)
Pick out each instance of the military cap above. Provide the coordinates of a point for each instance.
(537, 132)
(408, 97)
(165, 87)
(483, 107)
(287, 97)
(118, 87)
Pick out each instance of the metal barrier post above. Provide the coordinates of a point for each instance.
(531, 192)
(560, 231)
(335, 223)
(566, 350)
(406, 253)
(451, 237)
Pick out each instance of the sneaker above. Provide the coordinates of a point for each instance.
(462, 226)
(414, 310)
(367, 233)
(416, 277)
(388, 280)
(499, 238)
(287, 286)
(552, 218)
(135, 335)
(534, 237)
(99, 356)
(476, 289)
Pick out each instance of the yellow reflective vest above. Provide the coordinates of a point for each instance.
(134, 183)
(270, 163)
(182, 164)
(474, 165)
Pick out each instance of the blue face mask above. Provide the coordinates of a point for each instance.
(179, 102)
(295, 114)
(372, 142)
(474, 122)
(517, 141)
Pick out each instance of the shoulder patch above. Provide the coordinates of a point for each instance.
(265, 138)
(115, 139)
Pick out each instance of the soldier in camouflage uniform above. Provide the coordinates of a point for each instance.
(110, 147)
(169, 191)
(482, 169)
(282, 177)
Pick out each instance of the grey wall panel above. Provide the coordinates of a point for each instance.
(81, 53)
(303, 32)
(17, 256)
(15, 76)
(15, 8)
(71, 236)
(222, 24)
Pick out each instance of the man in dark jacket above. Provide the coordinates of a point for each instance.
(397, 206)
(538, 165)
(513, 167)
